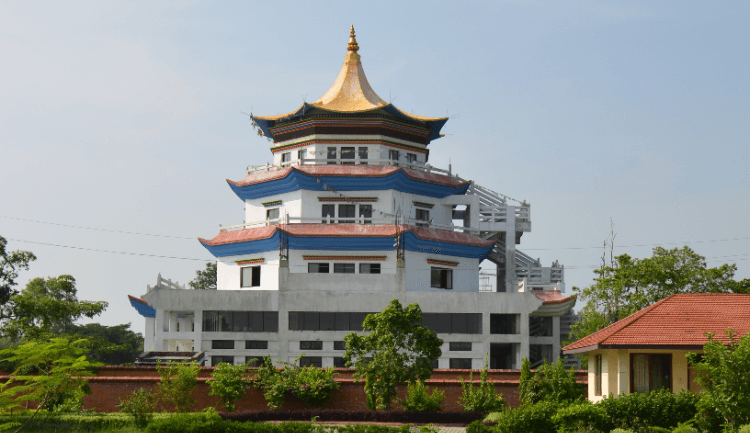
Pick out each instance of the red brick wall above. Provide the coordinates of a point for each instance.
(113, 383)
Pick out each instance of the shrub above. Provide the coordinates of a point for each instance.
(312, 385)
(536, 418)
(325, 415)
(229, 382)
(582, 417)
(640, 411)
(621, 430)
(140, 405)
(482, 399)
(178, 380)
(549, 383)
(418, 398)
(744, 429)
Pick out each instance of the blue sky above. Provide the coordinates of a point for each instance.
(128, 116)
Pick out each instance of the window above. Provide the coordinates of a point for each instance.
(216, 360)
(339, 345)
(310, 345)
(369, 268)
(301, 154)
(441, 278)
(254, 361)
(538, 353)
(286, 157)
(598, 375)
(327, 321)
(365, 211)
(343, 268)
(311, 361)
(540, 326)
(347, 153)
(393, 156)
(459, 346)
(650, 372)
(317, 268)
(331, 155)
(256, 345)
(453, 323)
(462, 363)
(272, 216)
(320, 321)
(504, 324)
(222, 344)
(240, 321)
(435, 364)
(411, 157)
(339, 362)
(311, 321)
(250, 276)
(329, 211)
(347, 211)
(362, 155)
(423, 215)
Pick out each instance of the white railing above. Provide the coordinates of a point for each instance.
(414, 165)
(164, 283)
(526, 284)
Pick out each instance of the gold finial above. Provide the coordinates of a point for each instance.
(352, 41)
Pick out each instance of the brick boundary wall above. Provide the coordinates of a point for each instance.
(112, 383)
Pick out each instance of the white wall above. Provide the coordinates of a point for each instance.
(228, 271)
(465, 275)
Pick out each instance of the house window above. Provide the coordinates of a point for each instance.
(365, 211)
(598, 375)
(286, 157)
(311, 361)
(222, 344)
(347, 153)
(411, 157)
(540, 326)
(254, 361)
(453, 323)
(339, 362)
(272, 216)
(461, 363)
(369, 268)
(329, 213)
(343, 268)
(459, 346)
(393, 156)
(250, 276)
(650, 372)
(256, 345)
(216, 360)
(331, 155)
(240, 321)
(339, 345)
(310, 345)
(435, 364)
(504, 324)
(441, 278)
(424, 216)
(320, 321)
(301, 154)
(347, 211)
(317, 268)
(362, 155)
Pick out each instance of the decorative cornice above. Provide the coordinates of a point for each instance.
(347, 258)
(422, 204)
(286, 147)
(255, 261)
(348, 199)
(271, 203)
(442, 262)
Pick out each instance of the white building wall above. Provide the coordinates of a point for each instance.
(228, 271)
(418, 272)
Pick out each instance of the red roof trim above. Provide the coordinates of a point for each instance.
(138, 300)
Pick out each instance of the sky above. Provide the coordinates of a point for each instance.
(120, 121)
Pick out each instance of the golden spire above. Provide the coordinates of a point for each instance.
(352, 41)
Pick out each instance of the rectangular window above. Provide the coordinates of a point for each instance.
(393, 156)
(311, 321)
(650, 372)
(342, 321)
(538, 353)
(320, 321)
(331, 155)
(317, 268)
(362, 155)
(225, 319)
(443, 323)
(254, 361)
(356, 320)
(255, 321)
(459, 323)
(240, 321)
(347, 155)
(311, 361)
(598, 375)
(504, 324)
(365, 211)
(301, 154)
(327, 321)
(272, 216)
(411, 157)
(423, 217)
(459, 346)
(216, 360)
(270, 321)
(453, 323)
(441, 278)
(329, 212)
(339, 345)
(250, 276)
(310, 345)
(347, 211)
(256, 345)
(286, 157)
(369, 268)
(540, 326)
(339, 362)
(343, 268)
(222, 344)
(460, 363)
(435, 364)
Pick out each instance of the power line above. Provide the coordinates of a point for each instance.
(108, 251)
(643, 245)
(95, 228)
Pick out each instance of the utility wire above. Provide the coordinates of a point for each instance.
(643, 245)
(97, 229)
(108, 251)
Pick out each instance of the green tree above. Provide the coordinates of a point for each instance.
(396, 349)
(176, 384)
(724, 372)
(112, 345)
(46, 308)
(550, 383)
(229, 383)
(205, 279)
(10, 263)
(483, 398)
(630, 284)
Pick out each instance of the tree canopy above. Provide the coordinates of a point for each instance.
(113, 345)
(396, 349)
(630, 284)
(10, 263)
(205, 279)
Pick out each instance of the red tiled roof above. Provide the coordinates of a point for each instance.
(449, 236)
(138, 300)
(347, 170)
(236, 236)
(551, 297)
(677, 320)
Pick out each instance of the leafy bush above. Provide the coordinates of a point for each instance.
(482, 399)
(744, 429)
(140, 405)
(325, 415)
(582, 417)
(549, 383)
(87, 422)
(639, 411)
(622, 430)
(312, 385)
(418, 399)
(229, 383)
(535, 418)
(481, 427)
(178, 380)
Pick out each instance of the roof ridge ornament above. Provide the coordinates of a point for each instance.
(352, 41)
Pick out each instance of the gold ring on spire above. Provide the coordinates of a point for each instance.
(352, 41)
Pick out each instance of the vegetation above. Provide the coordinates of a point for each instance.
(112, 345)
(396, 349)
(312, 385)
(483, 399)
(229, 383)
(205, 279)
(419, 399)
(10, 263)
(549, 383)
(141, 405)
(177, 382)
